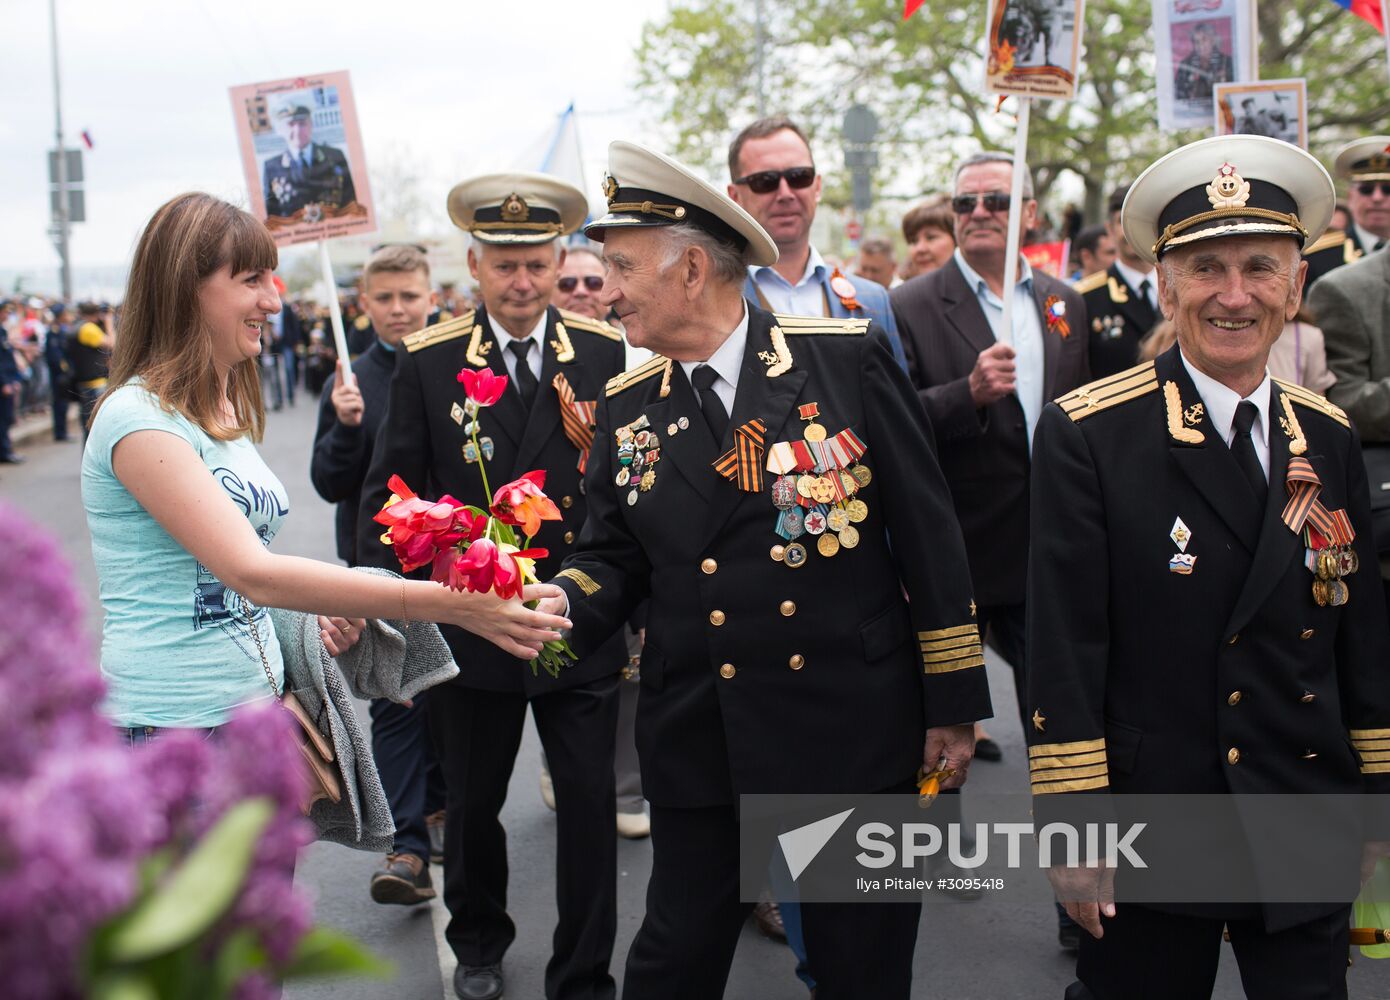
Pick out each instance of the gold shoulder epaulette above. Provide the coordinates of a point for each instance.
(1092, 281)
(439, 333)
(574, 321)
(1328, 240)
(632, 376)
(822, 325)
(1313, 401)
(1107, 392)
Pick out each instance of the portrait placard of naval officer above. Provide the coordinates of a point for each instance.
(308, 177)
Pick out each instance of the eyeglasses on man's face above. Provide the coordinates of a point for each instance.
(994, 201)
(570, 282)
(767, 181)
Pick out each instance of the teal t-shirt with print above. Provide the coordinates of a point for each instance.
(177, 648)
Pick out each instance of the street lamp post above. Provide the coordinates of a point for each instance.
(61, 223)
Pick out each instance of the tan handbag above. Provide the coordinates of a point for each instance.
(325, 777)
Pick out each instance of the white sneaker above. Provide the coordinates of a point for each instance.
(634, 826)
(547, 790)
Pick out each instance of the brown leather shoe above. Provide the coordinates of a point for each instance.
(403, 879)
(434, 825)
(768, 917)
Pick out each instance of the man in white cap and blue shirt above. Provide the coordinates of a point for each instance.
(1197, 624)
(746, 481)
(556, 364)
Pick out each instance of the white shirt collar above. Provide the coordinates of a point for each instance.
(1365, 237)
(815, 270)
(1221, 402)
(727, 360)
(504, 336)
(1135, 278)
(976, 282)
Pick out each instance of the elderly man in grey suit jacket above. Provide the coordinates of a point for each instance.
(1352, 305)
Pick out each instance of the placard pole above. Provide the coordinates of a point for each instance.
(1015, 216)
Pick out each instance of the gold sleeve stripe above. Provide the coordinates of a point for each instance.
(1068, 773)
(1065, 749)
(954, 665)
(1382, 754)
(948, 633)
(964, 642)
(947, 655)
(1357, 735)
(585, 581)
(1371, 744)
(1080, 785)
(1074, 760)
(1328, 408)
(1379, 768)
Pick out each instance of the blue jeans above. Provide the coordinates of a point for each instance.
(136, 736)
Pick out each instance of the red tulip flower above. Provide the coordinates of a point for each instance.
(486, 566)
(419, 529)
(523, 504)
(481, 386)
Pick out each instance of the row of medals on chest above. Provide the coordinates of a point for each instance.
(831, 521)
(810, 504)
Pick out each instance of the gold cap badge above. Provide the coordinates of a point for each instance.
(514, 209)
(1228, 189)
(610, 187)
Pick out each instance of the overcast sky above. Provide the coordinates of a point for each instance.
(457, 87)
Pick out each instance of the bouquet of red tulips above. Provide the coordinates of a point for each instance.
(470, 548)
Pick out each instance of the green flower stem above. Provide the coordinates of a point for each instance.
(482, 462)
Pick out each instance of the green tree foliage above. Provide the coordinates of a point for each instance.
(698, 67)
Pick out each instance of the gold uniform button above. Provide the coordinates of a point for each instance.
(1232, 640)
(708, 566)
(1233, 756)
(569, 537)
(727, 671)
(1307, 633)
(788, 608)
(797, 661)
(716, 618)
(1234, 699)
(567, 502)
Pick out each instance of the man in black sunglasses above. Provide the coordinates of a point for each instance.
(774, 179)
(1364, 165)
(983, 388)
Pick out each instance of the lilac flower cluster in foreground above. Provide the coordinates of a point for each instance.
(79, 811)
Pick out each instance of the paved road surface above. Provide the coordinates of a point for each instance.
(986, 950)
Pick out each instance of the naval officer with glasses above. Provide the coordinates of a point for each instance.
(774, 180)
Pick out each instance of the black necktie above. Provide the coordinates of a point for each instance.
(526, 383)
(1147, 304)
(713, 407)
(1243, 448)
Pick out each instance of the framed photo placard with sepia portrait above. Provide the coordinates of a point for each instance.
(301, 150)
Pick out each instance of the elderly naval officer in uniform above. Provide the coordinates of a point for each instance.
(307, 172)
(1364, 164)
(746, 480)
(557, 364)
(1197, 624)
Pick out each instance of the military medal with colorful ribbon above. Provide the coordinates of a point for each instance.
(814, 489)
(639, 449)
(844, 290)
(1327, 534)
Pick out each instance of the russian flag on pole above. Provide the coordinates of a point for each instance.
(1367, 10)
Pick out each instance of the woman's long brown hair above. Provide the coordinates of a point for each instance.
(163, 339)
